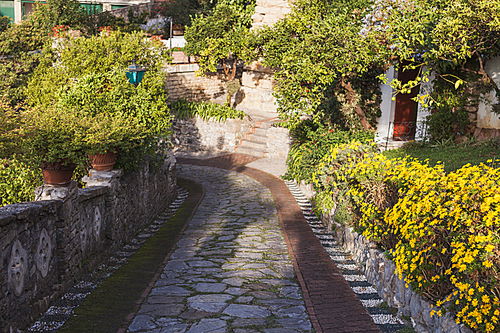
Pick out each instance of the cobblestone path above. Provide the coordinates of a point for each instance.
(231, 271)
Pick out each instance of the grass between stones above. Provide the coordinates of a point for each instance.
(107, 306)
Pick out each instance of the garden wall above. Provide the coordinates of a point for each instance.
(380, 272)
(48, 244)
(256, 91)
(278, 142)
(182, 82)
(199, 134)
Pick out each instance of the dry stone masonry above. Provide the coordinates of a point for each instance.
(182, 82)
(381, 274)
(48, 244)
(198, 134)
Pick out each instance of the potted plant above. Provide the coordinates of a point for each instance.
(52, 139)
(177, 30)
(103, 102)
(178, 56)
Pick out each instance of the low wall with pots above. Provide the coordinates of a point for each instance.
(48, 244)
(278, 142)
(380, 272)
(198, 134)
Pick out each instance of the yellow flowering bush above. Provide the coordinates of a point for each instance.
(441, 230)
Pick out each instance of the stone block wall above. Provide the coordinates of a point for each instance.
(182, 82)
(28, 261)
(381, 273)
(256, 91)
(49, 243)
(198, 134)
(278, 142)
(268, 12)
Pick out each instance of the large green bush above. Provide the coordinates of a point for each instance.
(439, 228)
(311, 142)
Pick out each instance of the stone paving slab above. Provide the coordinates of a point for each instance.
(331, 304)
(231, 260)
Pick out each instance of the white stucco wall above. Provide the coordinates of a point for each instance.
(486, 118)
(387, 107)
(422, 113)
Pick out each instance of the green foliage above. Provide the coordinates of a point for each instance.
(311, 142)
(16, 61)
(18, 179)
(97, 54)
(61, 12)
(222, 35)
(97, 21)
(320, 51)
(207, 111)
(451, 156)
(50, 135)
(4, 23)
(118, 115)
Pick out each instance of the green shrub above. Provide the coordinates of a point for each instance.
(439, 228)
(205, 110)
(18, 180)
(311, 142)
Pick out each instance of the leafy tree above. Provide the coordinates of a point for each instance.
(319, 50)
(222, 38)
(97, 54)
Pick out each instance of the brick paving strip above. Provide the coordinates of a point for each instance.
(331, 304)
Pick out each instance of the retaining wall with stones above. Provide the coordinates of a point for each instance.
(182, 82)
(381, 273)
(48, 244)
(278, 142)
(198, 134)
(256, 91)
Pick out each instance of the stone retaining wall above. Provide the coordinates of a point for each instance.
(380, 272)
(198, 134)
(182, 82)
(278, 142)
(256, 91)
(48, 244)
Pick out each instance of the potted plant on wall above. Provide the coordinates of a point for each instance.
(105, 104)
(177, 30)
(52, 139)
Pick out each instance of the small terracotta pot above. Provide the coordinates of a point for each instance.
(177, 32)
(57, 174)
(103, 162)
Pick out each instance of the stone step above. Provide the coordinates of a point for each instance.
(254, 144)
(261, 131)
(257, 138)
(265, 124)
(249, 151)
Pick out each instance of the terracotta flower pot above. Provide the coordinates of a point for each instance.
(103, 162)
(57, 174)
(177, 32)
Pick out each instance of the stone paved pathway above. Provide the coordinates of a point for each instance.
(231, 271)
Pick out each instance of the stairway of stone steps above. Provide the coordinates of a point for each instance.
(255, 143)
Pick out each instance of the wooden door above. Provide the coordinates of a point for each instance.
(406, 109)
